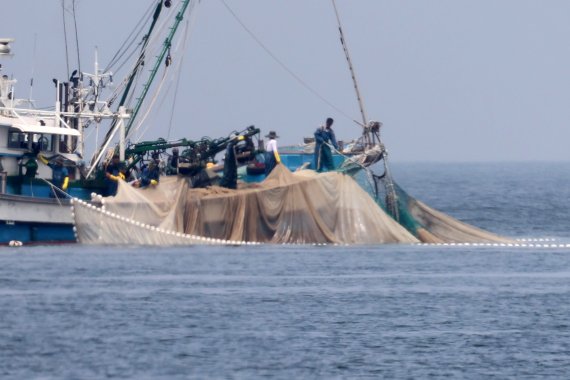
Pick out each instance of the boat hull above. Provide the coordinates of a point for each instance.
(35, 220)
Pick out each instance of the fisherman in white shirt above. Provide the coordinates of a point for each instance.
(271, 153)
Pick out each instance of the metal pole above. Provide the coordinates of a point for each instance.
(122, 133)
(157, 63)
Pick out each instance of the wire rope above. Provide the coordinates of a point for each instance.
(131, 37)
(76, 38)
(65, 36)
(285, 67)
(179, 71)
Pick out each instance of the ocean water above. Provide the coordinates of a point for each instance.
(393, 311)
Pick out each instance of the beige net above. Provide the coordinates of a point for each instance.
(438, 227)
(95, 225)
(302, 207)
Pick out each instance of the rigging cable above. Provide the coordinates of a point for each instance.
(129, 41)
(163, 80)
(76, 38)
(178, 76)
(159, 59)
(147, 42)
(65, 37)
(148, 110)
(283, 66)
(33, 68)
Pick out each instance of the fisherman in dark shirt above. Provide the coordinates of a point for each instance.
(149, 176)
(324, 137)
(112, 176)
(172, 167)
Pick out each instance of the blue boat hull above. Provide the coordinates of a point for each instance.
(36, 233)
(35, 220)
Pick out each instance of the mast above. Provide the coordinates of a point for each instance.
(133, 74)
(159, 59)
(371, 131)
(353, 74)
(140, 63)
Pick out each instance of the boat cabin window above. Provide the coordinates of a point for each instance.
(31, 141)
(17, 139)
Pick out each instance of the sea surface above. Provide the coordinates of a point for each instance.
(296, 312)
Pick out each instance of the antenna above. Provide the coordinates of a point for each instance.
(33, 68)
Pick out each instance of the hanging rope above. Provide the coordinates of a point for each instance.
(284, 67)
(33, 68)
(76, 38)
(149, 108)
(65, 36)
(178, 74)
(130, 41)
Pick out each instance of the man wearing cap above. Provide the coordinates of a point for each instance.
(324, 138)
(271, 153)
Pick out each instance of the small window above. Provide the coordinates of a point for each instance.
(43, 141)
(17, 139)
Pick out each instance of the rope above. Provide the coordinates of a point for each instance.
(368, 171)
(76, 38)
(346, 157)
(179, 71)
(158, 91)
(148, 110)
(128, 41)
(55, 187)
(386, 178)
(65, 36)
(284, 67)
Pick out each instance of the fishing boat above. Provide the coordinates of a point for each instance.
(181, 210)
(31, 211)
(303, 207)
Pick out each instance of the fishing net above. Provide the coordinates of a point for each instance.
(301, 207)
(425, 223)
(350, 206)
(95, 225)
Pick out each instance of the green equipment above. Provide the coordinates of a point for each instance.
(196, 153)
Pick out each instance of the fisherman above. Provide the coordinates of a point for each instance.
(172, 167)
(31, 163)
(125, 172)
(59, 176)
(271, 153)
(112, 176)
(149, 176)
(229, 177)
(324, 138)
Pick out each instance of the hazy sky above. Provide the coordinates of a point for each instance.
(451, 80)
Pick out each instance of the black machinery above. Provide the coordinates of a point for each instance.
(196, 154)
